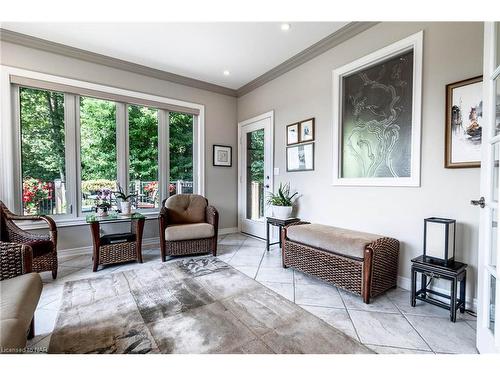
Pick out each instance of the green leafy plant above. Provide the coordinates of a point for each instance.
(120, 194)
(282, 197)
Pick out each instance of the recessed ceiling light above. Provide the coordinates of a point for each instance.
(285, 26)
(226, 72)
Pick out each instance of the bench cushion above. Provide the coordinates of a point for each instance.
(19, 297)
(189, 232)
(341, 241)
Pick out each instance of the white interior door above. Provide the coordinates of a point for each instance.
(255, 155)
(488, 328)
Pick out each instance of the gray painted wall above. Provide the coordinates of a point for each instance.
(452, 52)
(220, 125)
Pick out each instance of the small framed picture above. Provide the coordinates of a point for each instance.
(222, 156)
(292, 134)
(300, 158)
(464, 120)
(306, 130)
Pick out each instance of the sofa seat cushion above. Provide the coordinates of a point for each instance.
(189, 231)
(186, 208)
(19, 296)
(340, 241)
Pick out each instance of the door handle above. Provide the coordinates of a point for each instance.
(480, 202)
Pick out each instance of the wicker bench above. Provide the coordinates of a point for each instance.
(361, 263)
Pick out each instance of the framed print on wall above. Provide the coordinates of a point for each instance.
(292, 134)
(306, 129)
(464, 115)
(300, 158)
(222, 156)
(376, 127)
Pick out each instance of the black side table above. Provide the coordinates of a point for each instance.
(280, 223)
(454, 272)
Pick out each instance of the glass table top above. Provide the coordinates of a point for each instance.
(112, 216)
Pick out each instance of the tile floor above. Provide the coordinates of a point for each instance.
(387, 325)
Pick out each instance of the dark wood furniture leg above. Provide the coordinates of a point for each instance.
(280, 229)
(267, 235)
(413, 299)
(367, 275)
(453, 300)
(462, 293)
(423, 284)
(96, 239)
(139, 228)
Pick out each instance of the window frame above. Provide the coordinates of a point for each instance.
(10, 176)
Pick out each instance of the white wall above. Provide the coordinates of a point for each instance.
(452, 52)
(220, 125)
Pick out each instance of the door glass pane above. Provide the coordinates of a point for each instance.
(494, 229)
(97, 152)
(496, 158)
(143, 156)
(492, 303)
(43, 152)
(181, 153)
(497, 106)
(255, 175)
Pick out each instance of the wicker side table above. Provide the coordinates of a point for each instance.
(120, 247)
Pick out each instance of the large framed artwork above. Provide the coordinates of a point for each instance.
(464, 115)
(376, 127)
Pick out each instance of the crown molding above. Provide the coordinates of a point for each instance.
(330, 41)
(96, 58)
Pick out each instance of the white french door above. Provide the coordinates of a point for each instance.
(255, 172)
(488, 328)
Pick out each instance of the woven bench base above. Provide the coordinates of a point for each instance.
(190, 247)
(377, 271)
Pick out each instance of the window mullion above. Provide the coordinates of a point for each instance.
(163, 153)
(122, 145)
(71, 151)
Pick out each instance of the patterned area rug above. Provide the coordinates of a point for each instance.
(198, 305)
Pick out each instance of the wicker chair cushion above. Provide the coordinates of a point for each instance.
(189, 232)
(19, 297)
(186, 208)
(341, 241)
(41, 247)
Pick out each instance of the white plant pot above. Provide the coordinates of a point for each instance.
(282, 212)
(125, 207)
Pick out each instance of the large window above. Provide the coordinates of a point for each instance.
(97, 151)
(181, 153)
(43, 160)
(77, 149)
(143, 156)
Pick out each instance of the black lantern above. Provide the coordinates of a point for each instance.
(439, 239)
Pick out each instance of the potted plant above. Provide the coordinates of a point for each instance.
(282, 202)
(103, 202)
(125, 200)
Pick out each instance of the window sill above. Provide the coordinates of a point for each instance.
(73, 222)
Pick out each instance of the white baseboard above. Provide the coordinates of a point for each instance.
(87, 250)
(405, 283)
(146, 243)
(228, 230)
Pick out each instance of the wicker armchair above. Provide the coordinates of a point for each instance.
(188, 225)
(44, 247)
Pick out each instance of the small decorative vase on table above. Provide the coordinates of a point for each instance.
(282, 202)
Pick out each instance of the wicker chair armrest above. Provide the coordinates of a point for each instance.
(163, 216)
(15, 260)
(381, 245)
(212, 215)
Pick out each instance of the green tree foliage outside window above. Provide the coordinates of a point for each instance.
(181, 146)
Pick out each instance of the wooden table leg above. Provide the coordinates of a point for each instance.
(138, 237)
(462, 293)
(96, 239)
(453, 300)
(413, 300)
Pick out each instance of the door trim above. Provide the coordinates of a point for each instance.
(263, 116)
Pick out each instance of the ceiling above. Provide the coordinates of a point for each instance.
(201, 51)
